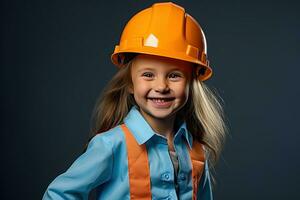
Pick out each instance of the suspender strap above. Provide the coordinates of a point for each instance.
(138, 168)
(198, 159)
(139, 172)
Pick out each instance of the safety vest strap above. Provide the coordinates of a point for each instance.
(198, 158)
(138, 168)
(139, 172)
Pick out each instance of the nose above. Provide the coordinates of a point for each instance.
(161, 85)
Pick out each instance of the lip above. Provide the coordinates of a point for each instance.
(167, 103)
(166, 98)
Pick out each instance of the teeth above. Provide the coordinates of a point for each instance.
(159, 100)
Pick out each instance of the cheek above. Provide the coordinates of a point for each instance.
(182, 90)
(140, 88)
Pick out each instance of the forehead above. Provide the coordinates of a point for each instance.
(143, 61)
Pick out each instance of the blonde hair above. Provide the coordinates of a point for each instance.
(205, 120)
(208, 114)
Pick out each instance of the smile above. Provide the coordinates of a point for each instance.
(161, 102)
(161, 99)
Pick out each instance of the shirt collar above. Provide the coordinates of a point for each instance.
(142, 131)
(183, 132)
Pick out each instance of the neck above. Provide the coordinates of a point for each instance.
(164, 127)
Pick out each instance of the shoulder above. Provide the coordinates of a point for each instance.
(109, 138)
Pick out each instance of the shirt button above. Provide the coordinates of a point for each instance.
(166, 176)
(182, 177)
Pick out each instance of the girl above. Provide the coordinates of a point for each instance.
(157, 126)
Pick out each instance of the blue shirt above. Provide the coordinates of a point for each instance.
(104, 166)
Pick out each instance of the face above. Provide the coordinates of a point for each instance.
(160, 85)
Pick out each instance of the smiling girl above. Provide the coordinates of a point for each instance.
(160, 89)
(157, 127)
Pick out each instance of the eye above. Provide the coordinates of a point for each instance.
(174, 75)
(147, 74)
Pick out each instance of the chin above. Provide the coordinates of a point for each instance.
(159, 114)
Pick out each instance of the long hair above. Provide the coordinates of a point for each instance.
(205, 120)
(114, 102)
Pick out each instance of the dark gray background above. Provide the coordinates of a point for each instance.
(55, 60)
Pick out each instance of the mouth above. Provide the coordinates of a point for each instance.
(162, 103)
(161, 100)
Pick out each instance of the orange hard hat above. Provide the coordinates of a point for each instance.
(164, 29)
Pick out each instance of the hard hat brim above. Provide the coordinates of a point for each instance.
(163, 53)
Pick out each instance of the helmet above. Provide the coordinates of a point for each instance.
(164, 29)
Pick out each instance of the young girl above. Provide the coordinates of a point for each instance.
(157, 125)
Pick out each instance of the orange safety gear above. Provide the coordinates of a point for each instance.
(139, 172)
(164, 29)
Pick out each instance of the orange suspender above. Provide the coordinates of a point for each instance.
(138, 168)
(139, 172)
(198, 158)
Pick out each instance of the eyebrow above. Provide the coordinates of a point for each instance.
(151, 69)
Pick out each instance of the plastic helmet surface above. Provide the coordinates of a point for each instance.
(164, 29)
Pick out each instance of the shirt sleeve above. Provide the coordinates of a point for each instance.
(204, 189)
(89, 170)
